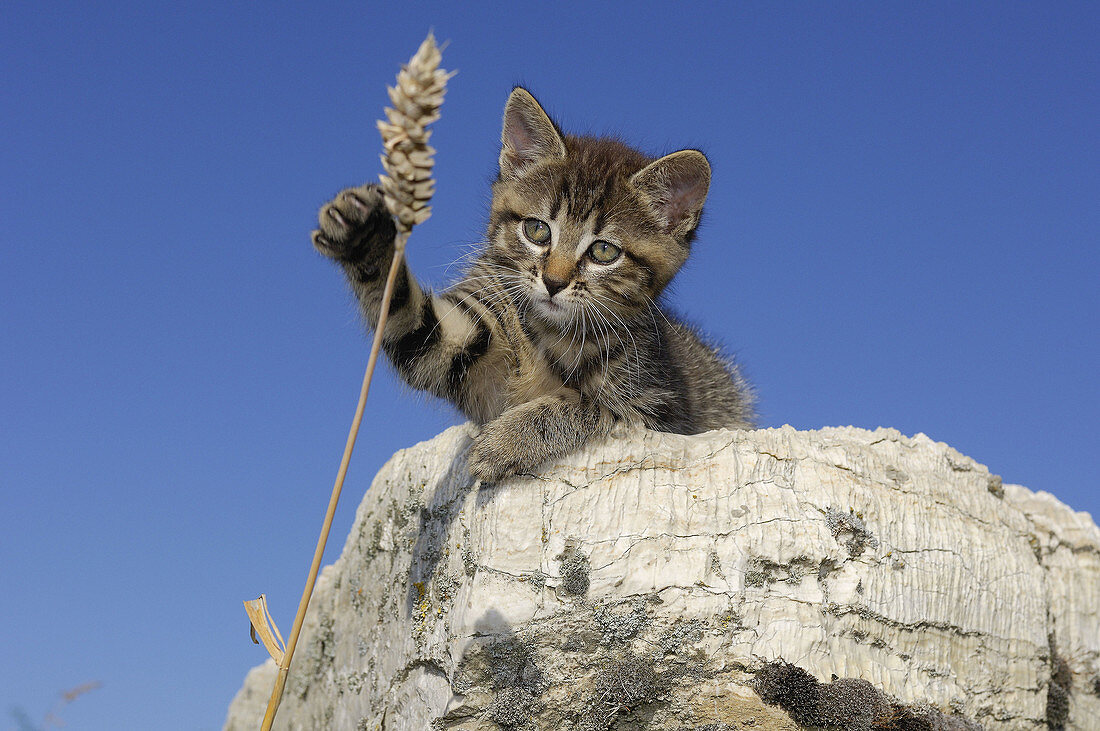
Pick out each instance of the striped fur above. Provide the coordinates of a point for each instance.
(543, 344)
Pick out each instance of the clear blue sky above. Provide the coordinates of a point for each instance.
(902, 231)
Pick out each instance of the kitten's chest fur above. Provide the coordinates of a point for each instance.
(585, 361)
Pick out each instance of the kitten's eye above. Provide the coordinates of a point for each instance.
(538, 232)
(604, 252)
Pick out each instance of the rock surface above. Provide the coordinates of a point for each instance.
(708, 582)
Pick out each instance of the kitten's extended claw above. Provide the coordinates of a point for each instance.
(335, 215)
(322, 244)
(358, 202)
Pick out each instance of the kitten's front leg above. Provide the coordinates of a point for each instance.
(432, 342)
(527, 435)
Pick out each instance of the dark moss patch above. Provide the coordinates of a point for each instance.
(1057, 707)
(1061, 687)
(927, 718)
(846, 704)
(791, 688)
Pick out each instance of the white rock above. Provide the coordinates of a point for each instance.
(649, 578)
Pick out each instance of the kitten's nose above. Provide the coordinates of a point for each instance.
(553, 284)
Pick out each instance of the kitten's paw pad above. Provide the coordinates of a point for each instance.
(351, 222)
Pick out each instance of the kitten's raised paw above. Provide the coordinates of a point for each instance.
(354, 224)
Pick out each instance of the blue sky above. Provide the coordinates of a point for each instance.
(901, 231)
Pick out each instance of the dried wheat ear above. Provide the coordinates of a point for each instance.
(407, 184)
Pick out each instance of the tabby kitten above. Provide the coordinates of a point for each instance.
(555, 333)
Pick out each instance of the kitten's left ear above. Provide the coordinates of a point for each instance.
(676, 187)
(528, 135)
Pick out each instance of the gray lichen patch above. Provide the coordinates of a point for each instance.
(502, 682)
(847, 704)
(714, 565)
(504, 663)
(898, 476)
(679, 635)
(388, 528)
(762, 571)
(446, 585)
(850, 531)
(512, 664)
(355, 682)
(574, 571)
(319, 656)
(729, 621)
(620, 622)
(466, 553)
(594, 666)
(514, 707)
(535, 578)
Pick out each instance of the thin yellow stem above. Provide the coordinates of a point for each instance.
(318, 554)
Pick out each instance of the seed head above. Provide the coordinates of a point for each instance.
(407, 159)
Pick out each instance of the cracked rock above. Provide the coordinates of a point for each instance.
(652, 580)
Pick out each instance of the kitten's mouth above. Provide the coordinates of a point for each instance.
(556, 311)
(544, 300)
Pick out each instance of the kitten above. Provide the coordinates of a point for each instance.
(555, 333)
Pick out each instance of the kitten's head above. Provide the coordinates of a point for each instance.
(581, 225)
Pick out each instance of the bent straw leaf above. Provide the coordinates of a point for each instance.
(263, 624)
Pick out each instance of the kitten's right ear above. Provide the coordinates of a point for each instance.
(528, 135)
(676, 187)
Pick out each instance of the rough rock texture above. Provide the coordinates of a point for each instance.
(839, 578)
